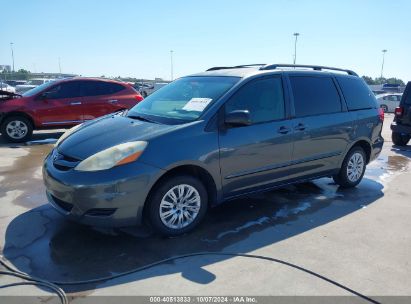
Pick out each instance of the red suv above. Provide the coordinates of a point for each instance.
(63, 103)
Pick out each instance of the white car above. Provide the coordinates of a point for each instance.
(389, 101)
(8, 88)
(21, 88)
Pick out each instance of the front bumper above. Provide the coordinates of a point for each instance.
(109, 198)
(403, 129)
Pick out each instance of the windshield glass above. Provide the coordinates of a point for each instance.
(38, 89)
(184, 99)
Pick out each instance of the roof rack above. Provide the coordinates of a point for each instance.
(314, 67)
(237, 67)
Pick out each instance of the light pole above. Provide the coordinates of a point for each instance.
(172, 65)
(295, 46)
(383, 60)
(12, 53)
(59, 66)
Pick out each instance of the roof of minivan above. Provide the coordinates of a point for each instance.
(254, 70)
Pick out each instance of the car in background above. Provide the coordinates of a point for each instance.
(6, 87)
(149, 88)
(379, 92)
(14, 83)
(212, 137)
(32, 83)
(401, 126)
(389, 101)
(63, 103)
(391, 87)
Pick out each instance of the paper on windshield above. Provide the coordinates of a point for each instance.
(197, 104)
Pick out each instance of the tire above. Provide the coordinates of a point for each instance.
(384, 108)
(144, 94)
(400, 140)
(355, 158)
(16, 129)
(161, 201)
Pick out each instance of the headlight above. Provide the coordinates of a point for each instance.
(66, 134)
(114, 156)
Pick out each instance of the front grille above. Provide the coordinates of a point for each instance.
(63, 162)
(101, 212)
(62, 204)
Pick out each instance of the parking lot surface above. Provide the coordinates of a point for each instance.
(358, 237)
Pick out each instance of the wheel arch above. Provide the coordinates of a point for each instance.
(18, 113)
(364, 144)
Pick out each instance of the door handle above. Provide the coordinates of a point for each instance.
(300, 127)
(73, 103)
(283, 130)
(113, 101)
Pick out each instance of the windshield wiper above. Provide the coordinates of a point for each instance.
(141, 118)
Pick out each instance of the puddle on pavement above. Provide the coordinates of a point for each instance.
(24, 174)
(385, 168)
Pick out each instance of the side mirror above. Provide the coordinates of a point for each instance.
(238, 118)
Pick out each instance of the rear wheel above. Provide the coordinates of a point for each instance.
(399, 139)
(177, 205)
(384, 108)
(352, 169)
(16, 129)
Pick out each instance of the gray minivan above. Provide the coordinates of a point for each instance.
(212, 137)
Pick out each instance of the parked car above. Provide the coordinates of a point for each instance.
(379, 92)
(14, 83)
(147, 88)
(212, 137)
(401, 126)
(63, 103)
(388, 101)
(21, 88)
(5, 87)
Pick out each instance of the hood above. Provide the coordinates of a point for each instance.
(106, 132)
(11, 101)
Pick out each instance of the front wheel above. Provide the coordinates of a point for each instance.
(16, 129)
(352, 169)
(399, 139)
(177, 205)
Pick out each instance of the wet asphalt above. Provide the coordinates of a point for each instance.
(39, 241)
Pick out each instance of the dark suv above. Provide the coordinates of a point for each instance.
(401, 126)
(211, 137)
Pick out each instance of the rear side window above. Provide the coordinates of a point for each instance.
(314, 95)
(263, 98)
(356, 93)
(95, 88)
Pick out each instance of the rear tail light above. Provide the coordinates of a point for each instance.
(138, 97)
(399, 111)
(381, 114)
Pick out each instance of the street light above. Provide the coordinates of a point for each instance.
(295, 46)
(172, 67)
(383, 60)
(12, 53)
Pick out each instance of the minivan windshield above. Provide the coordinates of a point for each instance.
(38, 89)
(183, 100)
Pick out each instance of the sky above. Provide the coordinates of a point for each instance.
(134, 38)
